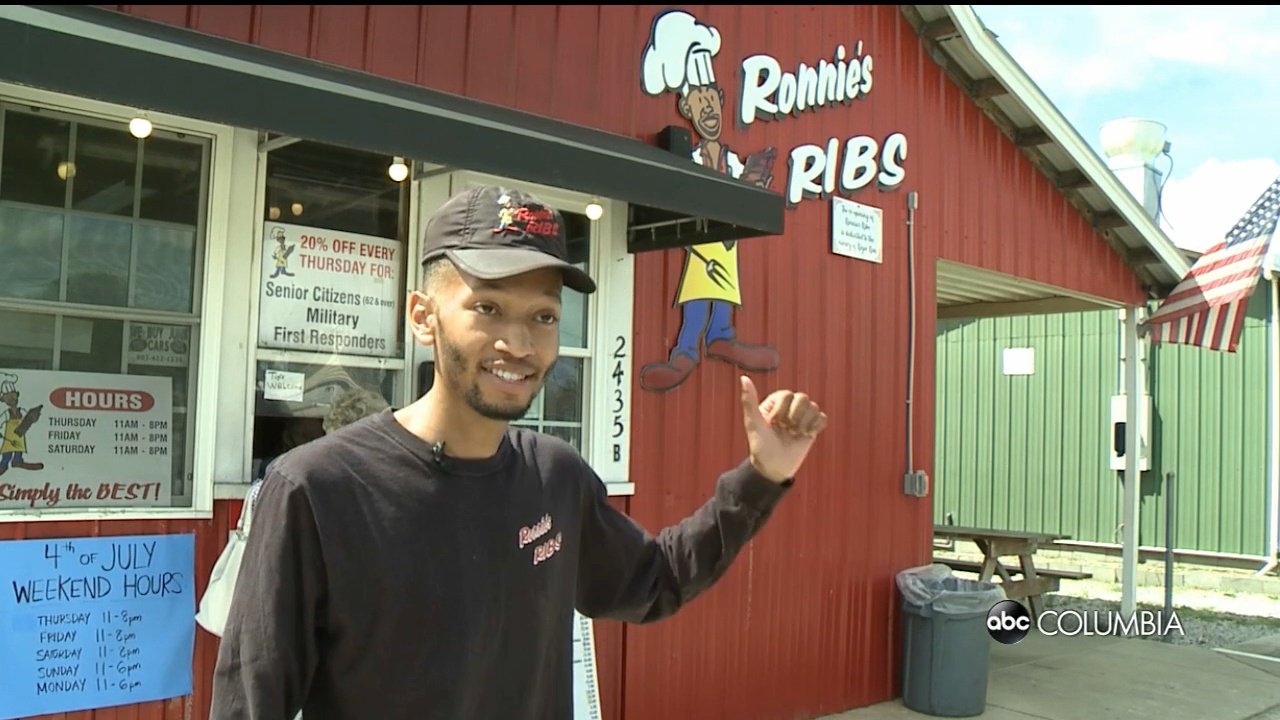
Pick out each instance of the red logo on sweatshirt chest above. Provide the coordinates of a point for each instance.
(532, 533)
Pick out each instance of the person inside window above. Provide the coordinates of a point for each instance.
(425, 562)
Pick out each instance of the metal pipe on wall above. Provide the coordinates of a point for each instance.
(911, 328)
(1132, 468)
(1169, 516)
(914, 482)
(1273, 427)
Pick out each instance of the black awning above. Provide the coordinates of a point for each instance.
(104, 55)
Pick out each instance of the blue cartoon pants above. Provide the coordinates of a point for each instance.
(9, 457)
(708, 320)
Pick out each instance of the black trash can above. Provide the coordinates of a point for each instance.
(946, 645)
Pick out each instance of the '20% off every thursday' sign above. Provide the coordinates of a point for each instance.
(326, 291)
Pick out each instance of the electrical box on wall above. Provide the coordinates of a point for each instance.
(1117, 438)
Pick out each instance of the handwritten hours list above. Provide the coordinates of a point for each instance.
(95, 622)
(329, 292)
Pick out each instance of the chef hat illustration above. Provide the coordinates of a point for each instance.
(678, 56)
(8, 383)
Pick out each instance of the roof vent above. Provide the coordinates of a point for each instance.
(1133, 139)
(1132, 146)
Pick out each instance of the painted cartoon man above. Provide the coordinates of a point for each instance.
(16, 423)
(281, 253)
(678, 59)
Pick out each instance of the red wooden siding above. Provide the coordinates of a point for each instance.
(805, 623)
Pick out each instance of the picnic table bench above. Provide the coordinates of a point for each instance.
(995, 544)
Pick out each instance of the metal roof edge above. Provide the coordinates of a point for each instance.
(1020, 85)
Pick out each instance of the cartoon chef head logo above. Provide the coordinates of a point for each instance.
(16, 423)
(678, 59)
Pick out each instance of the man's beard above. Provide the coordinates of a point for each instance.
(455, 363)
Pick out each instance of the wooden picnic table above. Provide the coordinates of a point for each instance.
(996, 544)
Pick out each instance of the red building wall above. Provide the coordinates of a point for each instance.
(805, 622)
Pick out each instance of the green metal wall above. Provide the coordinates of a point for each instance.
(1210, 429)
(1030, 452)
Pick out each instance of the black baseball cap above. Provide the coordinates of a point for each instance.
(494, 232)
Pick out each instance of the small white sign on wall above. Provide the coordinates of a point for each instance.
(1019, 361)
(857, 230)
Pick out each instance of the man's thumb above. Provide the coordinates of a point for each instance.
(750, 403)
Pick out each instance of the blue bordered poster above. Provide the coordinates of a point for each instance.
(95, 622)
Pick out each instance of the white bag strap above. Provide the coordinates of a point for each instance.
(246, 513)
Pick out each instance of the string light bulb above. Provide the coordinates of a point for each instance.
(140, 126)
(296, 209)
(595, 210)
(398, 170)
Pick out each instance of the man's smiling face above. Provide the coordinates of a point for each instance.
(495, 340)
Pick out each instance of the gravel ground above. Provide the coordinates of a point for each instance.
(1206, 618)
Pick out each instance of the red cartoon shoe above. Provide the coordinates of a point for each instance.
(757, 358)
(660, 377)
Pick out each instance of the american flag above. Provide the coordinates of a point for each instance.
(1208, 307)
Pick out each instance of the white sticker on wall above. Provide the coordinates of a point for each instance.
(1019, 361)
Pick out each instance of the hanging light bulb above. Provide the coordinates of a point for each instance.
(273, 212)
(140, 126)
(595, 210)
(66, 170)
(296, 209)
(397, 170)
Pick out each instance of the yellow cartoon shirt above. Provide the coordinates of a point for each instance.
(710, 273)
(12, 441)
(711, 269)
(280, 257)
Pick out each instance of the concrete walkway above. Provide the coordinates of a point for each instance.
(1263, 654)
(1092, 678)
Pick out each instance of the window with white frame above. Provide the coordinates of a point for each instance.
(332, 266)
(586, 398)
(559, 408)
(102, 235)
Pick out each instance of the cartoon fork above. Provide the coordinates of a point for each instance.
(715, 270)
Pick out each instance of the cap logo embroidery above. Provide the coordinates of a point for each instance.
(526, 219)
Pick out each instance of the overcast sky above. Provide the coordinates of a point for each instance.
(1211, 74)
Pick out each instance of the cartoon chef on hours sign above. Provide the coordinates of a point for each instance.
(678, 59)
(15, 425)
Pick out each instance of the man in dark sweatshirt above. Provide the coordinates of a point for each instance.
(424, 563)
